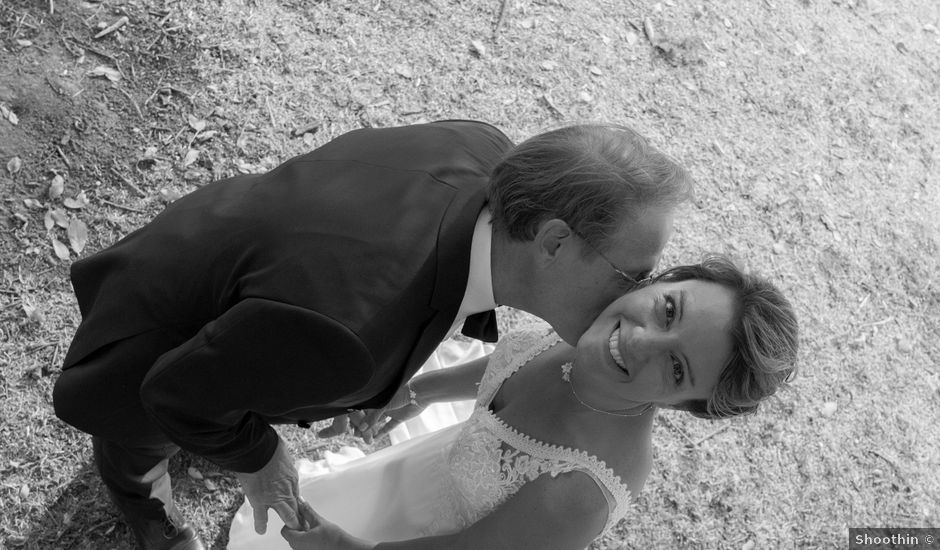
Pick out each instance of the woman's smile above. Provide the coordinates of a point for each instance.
(613, 344)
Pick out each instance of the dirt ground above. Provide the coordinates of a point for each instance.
(811, 126)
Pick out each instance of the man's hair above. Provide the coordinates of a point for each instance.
(764, 335)
(593, 177)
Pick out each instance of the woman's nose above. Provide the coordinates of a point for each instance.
(646, 344)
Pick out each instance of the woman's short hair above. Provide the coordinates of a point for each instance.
(592, 176)
(764, 334)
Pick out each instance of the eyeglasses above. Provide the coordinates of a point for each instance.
(623, 274)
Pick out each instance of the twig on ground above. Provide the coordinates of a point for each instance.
(709, 436)
(94, 50)
(134, 103)
(64, 158)
(112, 27)
(121, 206)
(156, 90)
(677, 429)
(126, 181)
(40, 345)
(499, 18)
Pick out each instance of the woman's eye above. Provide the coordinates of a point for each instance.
(677, 372)
(670, 309)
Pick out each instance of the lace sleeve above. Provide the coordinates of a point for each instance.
(513, 351)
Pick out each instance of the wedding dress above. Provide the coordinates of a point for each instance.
(439, 482)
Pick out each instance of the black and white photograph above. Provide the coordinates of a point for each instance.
(469, 274)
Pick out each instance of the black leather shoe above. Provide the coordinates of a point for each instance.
(168, 533)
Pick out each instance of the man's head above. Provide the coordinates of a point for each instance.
(570, 204)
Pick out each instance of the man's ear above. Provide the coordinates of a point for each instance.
(552, 237)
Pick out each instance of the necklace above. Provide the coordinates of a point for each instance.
(566, 376)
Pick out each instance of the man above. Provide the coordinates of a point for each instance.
(323, 285)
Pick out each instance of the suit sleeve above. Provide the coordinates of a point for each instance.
(261, 358)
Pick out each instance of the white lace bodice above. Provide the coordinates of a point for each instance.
(490, 460)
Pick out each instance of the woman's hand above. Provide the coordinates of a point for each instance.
(320, 534)
(372, 423)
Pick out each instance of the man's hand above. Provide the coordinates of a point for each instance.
(339, 427)
(273, 486)
(373, 423)
(320, 533)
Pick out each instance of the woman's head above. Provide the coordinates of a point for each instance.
(706, 338)
(764, 339)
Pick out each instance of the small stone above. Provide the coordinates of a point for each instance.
(828, 409)
(905, 345)
(478, 48)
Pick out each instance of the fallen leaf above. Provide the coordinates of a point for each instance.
(78, 202)
(403, 71)
(169, 195)
(585, 97)
(596, 71)
(650, 31)
(33, 315)
(210, 485)
(14, 165)
(60, 249)
(110, 73)
(57, 187)
(196, 123)
(78, 235)
(194, 473)
(631, 38)
(548, 65)
(48, 221)
(32, 203)
(24, 490)
(59, 217)
(311, 128)
(207, 135)
(478, 48)
(8, 114)
(191, 157)
(24, 43)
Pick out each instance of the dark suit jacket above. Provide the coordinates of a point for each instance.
(296, 294)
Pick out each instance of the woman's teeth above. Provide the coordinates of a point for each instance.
(614, 350)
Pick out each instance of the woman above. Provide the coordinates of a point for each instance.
(559, 441)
